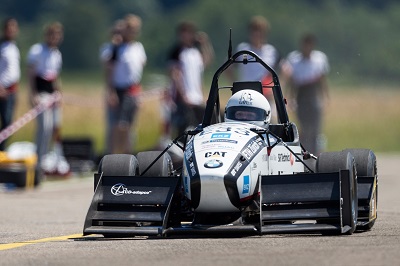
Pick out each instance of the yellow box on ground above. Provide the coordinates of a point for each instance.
(21, 172)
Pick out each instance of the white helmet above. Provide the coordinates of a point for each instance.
(248, 106)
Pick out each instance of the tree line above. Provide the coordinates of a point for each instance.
(360, 37)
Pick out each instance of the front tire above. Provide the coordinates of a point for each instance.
(118, 165)
(330, 162)
(366, 167)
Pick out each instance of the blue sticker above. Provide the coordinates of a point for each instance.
(221, 136)
(224, 140)
(186, 185)
(246, 184)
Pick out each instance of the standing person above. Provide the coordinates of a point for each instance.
(259, 29)
(307, 70)
(9, 73)
(107, 57)
(187, 61)
(44, 66)
(115, 40)
(126, 62)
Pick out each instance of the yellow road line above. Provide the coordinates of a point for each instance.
(30, 242)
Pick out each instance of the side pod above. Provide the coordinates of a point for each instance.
(125, 206)
(306, 203)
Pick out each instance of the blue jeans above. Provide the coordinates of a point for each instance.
(6, 113)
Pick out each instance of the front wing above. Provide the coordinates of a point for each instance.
(125, 206)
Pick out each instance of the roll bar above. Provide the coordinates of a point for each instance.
(213, 98)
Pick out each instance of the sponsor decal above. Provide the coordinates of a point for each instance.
(252, 149)
(190, 159)
(224, 131)
(236, 168)
(213, 164)
(214, 130)
(246, 99)
(242, 131)
(213, 146)
(221, 135)
(189, 151)
(192, 169)
(186, 185)
(283, 157)
(246, 184)
(220, 140)
(120, 190)
(215, 154)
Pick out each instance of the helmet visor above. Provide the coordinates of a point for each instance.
(245, 113)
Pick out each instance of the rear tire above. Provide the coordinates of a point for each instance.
(366, 166)
(162, 167)
(329, 162)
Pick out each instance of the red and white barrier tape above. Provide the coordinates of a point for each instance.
(72, 100)
(29, 116)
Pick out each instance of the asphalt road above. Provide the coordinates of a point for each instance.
(44, 226)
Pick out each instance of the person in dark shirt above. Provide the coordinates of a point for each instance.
(187, 61)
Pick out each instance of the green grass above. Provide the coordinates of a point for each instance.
(356, 117)
(364, 118)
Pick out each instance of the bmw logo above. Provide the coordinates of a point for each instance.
(213, 164)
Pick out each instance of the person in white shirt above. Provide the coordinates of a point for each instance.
(307, 70)
(44, 65)
(258, 30)
(107, 59)
(125, 63)
(9, 73)
(187, 61)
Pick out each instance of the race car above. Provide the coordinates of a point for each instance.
(241, 176)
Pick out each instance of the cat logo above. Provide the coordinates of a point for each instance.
(215, 154)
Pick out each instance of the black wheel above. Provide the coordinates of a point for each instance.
(329, 162)
(365, 161)
(162, 167)
(118, 165)
(366, 167)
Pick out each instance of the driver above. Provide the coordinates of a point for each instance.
(248, 106)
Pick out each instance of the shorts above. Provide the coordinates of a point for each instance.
(125, 111)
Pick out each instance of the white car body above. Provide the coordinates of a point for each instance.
(229, 158)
